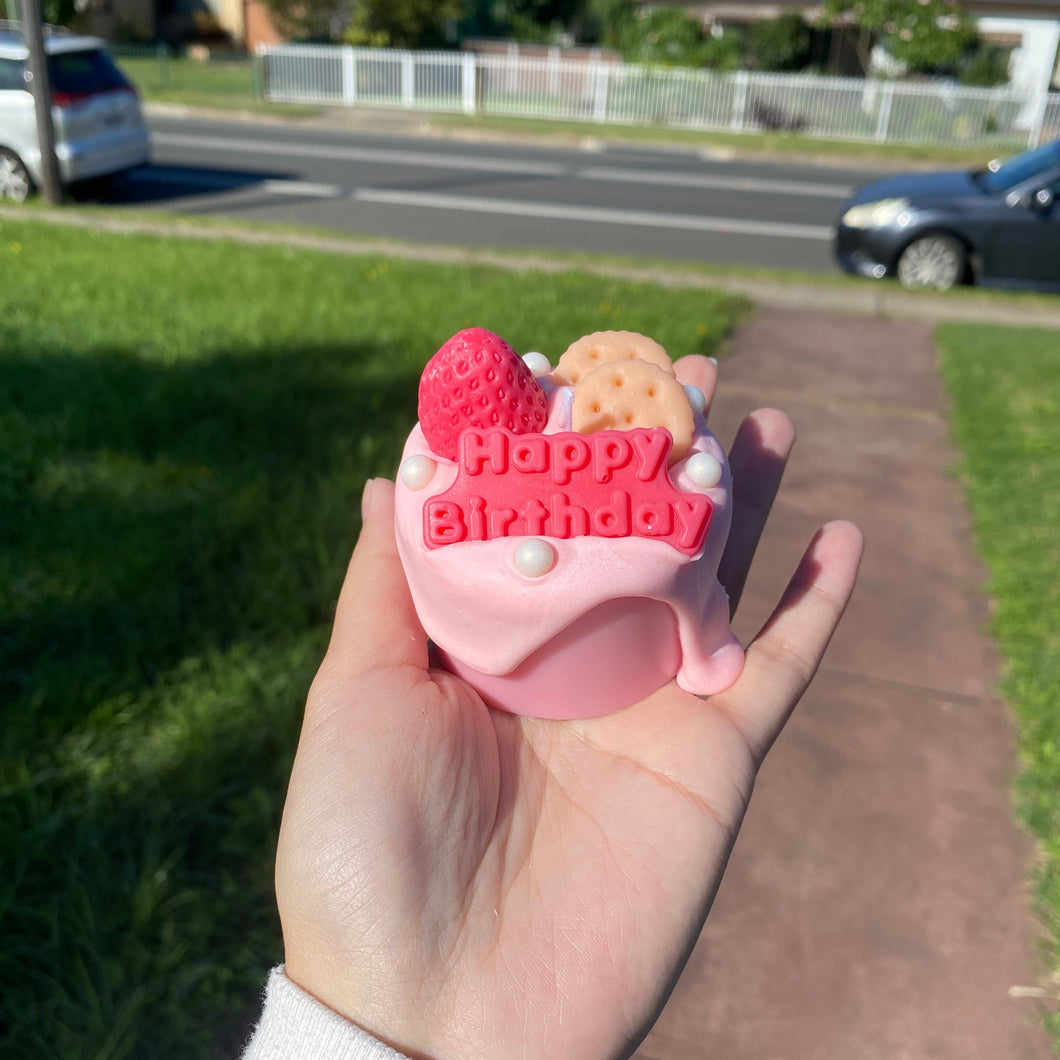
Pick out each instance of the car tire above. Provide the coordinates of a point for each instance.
(15, 181)
(936, 261)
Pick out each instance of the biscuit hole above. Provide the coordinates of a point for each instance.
(651, 391)
(618, 381)
(629, 417)
(596, 408)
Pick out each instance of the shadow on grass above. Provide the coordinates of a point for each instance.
(172, 540)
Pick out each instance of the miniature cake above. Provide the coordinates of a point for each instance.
(561, 528)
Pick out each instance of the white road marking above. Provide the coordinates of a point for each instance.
(706, 180)
(594, 214)
(428, 159)
(513, 208)
(418, 159)
(303, 187)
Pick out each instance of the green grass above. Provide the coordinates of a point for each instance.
(653, 270)
(219, 83)
(216, 78)
(185, 429)
(763, 143)
(1005, 388)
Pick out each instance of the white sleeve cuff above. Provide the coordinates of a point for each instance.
(295, 1026)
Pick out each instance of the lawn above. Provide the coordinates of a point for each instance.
(1005, 387)
(185, 428)
(226, 84)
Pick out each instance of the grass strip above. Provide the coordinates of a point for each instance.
(1005, 388)
(833, 291)
(753, 142)
(185, 428)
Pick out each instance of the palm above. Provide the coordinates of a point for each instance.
(468, 883)
(561, 841)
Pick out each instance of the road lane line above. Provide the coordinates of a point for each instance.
(593, 214)
(303, 187)
(704, 180)
(419, 159)
(366, 154)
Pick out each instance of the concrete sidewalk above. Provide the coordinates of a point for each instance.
(875, 907)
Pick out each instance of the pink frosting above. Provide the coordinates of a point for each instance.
(517, 637)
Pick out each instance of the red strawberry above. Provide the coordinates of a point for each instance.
(477, 380)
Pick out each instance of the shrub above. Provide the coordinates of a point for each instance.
(780, 44)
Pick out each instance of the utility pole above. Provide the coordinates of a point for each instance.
(40, 85)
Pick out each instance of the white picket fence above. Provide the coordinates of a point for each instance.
(837, 108)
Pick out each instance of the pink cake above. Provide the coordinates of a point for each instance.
(561, 528)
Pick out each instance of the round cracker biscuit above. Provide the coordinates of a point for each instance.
(623, 395)
(604, 347)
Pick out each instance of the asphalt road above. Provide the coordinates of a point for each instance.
(653, 203)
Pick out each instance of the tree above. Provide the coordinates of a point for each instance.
(666, 36)
(308, 19)
(987, 66)
(58, 12)
(536, 20)
(394, 23)
(406, 23)
(781, 43)
(608, 18)
(921, 34)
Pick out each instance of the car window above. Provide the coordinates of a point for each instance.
(1023, 167)
(82, 72)
(12, 75)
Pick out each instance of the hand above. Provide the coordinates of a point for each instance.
(465, 883)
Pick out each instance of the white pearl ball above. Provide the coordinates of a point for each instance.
(703, 469)
(417, 471)
(696, 398)
(534, 557)
(538, 363)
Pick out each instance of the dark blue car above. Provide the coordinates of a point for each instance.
(999, 225)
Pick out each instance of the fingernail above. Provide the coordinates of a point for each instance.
(366, 499)
(713, 361)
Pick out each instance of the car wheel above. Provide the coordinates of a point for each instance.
(932, 261)
(15, 181)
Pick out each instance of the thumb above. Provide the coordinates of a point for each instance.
(376, 626)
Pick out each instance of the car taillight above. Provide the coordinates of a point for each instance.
(69, 99)
(64, 100)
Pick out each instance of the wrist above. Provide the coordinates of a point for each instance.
(381, 1022)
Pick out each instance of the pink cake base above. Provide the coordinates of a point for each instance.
(607, 660)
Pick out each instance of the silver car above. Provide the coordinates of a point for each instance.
(99, 127)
